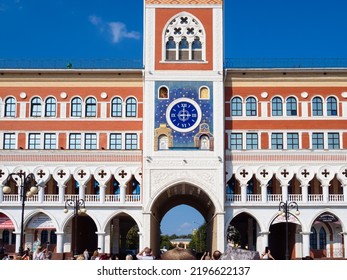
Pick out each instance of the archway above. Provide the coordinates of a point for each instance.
(123, 231)
(248, 228)
(277, 237)
(84, 236)
(326, 240)
(183, 194)
(183, 226)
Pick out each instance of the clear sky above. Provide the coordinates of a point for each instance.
(89, 29)
(98, 29)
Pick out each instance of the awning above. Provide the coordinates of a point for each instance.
(5, 222)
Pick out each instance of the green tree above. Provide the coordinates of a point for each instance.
(198, 237)
(132, 239)
(165, 242)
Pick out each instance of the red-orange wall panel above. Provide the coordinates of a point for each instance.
(205, 16)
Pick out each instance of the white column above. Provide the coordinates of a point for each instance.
(325, 191)
(102, 189)
(243, 193)
(145, 238)
(122, 192)
(60, 244)
(41, 195)
(344, 187)
(101, 241)
(220, 232)
(263, 192)
(305, 243)
(284, 188)
(17, 241)
(61, 193)
(265, 241)
(81, 191)
(304, 192)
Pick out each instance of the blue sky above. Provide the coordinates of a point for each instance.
(89, 29)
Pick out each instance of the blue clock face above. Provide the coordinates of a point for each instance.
(183, 114)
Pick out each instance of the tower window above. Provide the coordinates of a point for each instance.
(184, 39)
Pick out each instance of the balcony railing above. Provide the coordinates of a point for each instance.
(54, 198)
(276, 198)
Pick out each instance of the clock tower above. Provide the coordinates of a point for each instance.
(183, 126)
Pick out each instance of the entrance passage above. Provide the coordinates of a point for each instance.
(182, 194)
(183, 226)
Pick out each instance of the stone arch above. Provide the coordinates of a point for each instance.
(185, 192)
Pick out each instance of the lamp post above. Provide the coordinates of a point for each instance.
(78, 206)
(284, 210)
(27, 189)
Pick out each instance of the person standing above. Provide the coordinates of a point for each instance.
(86, 254)
(145, 254)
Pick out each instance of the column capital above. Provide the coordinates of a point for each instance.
(263, 233)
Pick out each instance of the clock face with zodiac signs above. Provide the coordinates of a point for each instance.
(183, 114)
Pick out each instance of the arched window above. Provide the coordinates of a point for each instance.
(331, 106)
(322, 239)
(51, 107)
(204, 142)
(251, 106)
(291, 108)
(163, 142)
(36, 107)
(116, 107)
(163, 93)
(171, 49)
(188, 33)
(317, 106)
(197, 49)
(10, 107)
(277, 107)
(313, 239)
(184, 49)
(131, 109)
(204, 93)
(91, 107)
(236, 106)
(76, 107)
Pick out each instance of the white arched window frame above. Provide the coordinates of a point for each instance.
(50, 107)
(10, 107)
(117, 107)
(90, 107)
(184, 26)
(36, 107)
(131, 107)
(76, 107)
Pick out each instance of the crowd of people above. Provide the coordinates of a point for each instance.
(146, 254)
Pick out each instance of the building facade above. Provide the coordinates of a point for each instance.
(233, 143)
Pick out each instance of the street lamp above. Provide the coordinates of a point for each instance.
(284, 211)
(79, 207)
(27, 189)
